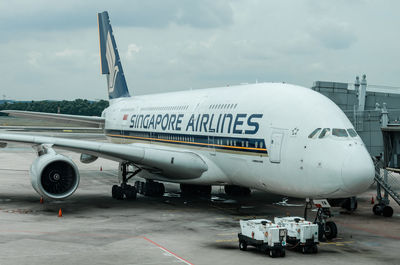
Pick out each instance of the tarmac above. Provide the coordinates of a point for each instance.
(96, 229)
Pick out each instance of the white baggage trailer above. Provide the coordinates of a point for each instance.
(264, 235)
(301, 234)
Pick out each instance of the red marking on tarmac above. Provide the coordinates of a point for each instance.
(369, 231)
(166, 250)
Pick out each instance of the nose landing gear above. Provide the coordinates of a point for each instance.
(326, 229)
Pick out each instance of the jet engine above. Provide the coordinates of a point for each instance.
(54, 176)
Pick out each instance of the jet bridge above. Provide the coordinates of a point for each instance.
(387, 172)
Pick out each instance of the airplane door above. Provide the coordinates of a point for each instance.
(275, 147)
(124, 125)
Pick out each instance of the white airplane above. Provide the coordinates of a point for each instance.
(275, 137)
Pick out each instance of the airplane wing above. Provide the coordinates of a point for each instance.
(171, 164)
(90, 121)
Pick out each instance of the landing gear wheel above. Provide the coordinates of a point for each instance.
(321, 233)
(125, 190)
(376, 209)
(119, 194)
(387, 211)
(150, 188)
(114, 191)
(330, 230)
(242, 246)
(130, 193)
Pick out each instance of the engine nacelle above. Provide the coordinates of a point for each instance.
(54, 176)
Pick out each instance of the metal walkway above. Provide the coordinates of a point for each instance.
(389, 182)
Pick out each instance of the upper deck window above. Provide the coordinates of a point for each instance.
(352, 132)
(325, 132)
(314, 133)
(339, 132)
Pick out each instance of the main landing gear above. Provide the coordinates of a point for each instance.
(125, 191)
(326, 229)
(150, 188)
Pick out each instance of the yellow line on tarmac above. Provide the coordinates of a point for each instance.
(227, 234)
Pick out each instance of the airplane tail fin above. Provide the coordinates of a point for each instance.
(109, 59)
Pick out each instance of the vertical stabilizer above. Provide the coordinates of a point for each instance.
(109, 59)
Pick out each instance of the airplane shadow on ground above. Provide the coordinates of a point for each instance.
(259, 204)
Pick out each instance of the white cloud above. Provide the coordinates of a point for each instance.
(33, 58)
(68, 53)
(335, 35)
(173, 45)
(132, 50)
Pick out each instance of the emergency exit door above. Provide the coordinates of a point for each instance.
(275, 148)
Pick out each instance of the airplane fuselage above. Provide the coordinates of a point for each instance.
(255, 136)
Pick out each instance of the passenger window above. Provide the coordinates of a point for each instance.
(339, 132)
(352, 132)
(325, 132)
(314, 133)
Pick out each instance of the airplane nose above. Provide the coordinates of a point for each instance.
(358, 172)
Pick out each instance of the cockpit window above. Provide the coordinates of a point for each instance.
(339, 132)
(325, 132)
(314, 133)
(352, 132)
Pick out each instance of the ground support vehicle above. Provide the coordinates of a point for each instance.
(301, 234)
(264, 235)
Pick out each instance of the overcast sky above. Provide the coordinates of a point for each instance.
(49, 49)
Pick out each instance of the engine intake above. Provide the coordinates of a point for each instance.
(54, 176)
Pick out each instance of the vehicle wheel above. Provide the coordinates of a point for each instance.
(315, 249)
(330, 230)
(375, 209)
(303, 249)
(272, 253)
(113, 191)
(242, 246)
(387, 211)
(283, 253)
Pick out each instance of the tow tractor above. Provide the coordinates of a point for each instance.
(264, 235)
(301, 234)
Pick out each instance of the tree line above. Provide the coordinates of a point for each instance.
(75, 107)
